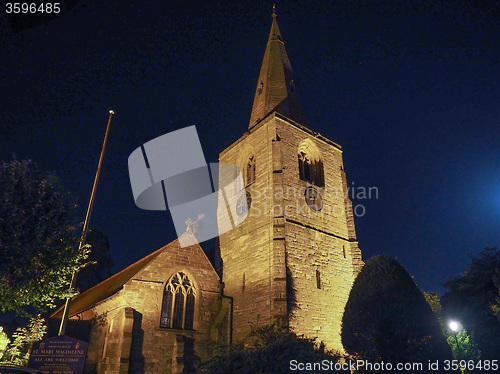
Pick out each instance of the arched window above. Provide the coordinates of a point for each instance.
(310, 165)
(247, 164)
(250, 171)
(177, 311)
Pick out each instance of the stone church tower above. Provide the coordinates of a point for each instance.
(296, 255)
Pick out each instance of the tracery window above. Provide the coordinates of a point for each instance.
(179, 296)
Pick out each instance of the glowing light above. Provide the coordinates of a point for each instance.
(111, 111)
(454, 326)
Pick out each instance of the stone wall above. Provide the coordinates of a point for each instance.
(246, 250)
(287, 259)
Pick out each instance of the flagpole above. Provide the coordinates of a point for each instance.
(83, 238)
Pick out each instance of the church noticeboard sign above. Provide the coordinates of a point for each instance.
(58, 355)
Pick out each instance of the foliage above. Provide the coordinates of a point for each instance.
(17, 351)
(387, 318)
(4, 341)
(467, 348)
(37, 244)
(432, 299)
(101, 262)
(269, 350)
(495, 308)
(472, 300)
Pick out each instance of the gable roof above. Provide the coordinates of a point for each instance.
(109, 286)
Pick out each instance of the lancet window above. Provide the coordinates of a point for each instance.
(250, 171)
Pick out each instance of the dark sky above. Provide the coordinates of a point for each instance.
(410, 89)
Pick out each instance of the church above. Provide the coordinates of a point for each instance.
(294, 258)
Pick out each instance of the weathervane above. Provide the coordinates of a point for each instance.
(191, 226)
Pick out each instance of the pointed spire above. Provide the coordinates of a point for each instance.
(276, 89)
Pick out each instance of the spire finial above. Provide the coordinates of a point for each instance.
(274, 11)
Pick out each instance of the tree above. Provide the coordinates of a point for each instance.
(38, 250)
(17, 350)
(4, 341)
(272, 349)
(387, 318)
(472, 300)
(467, 348)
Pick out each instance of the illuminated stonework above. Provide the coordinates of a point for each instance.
(296, 255)
(272, 261)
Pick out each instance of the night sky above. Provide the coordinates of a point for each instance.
(410, 89)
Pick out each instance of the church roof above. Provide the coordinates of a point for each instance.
(276, 89)
(109, 286)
